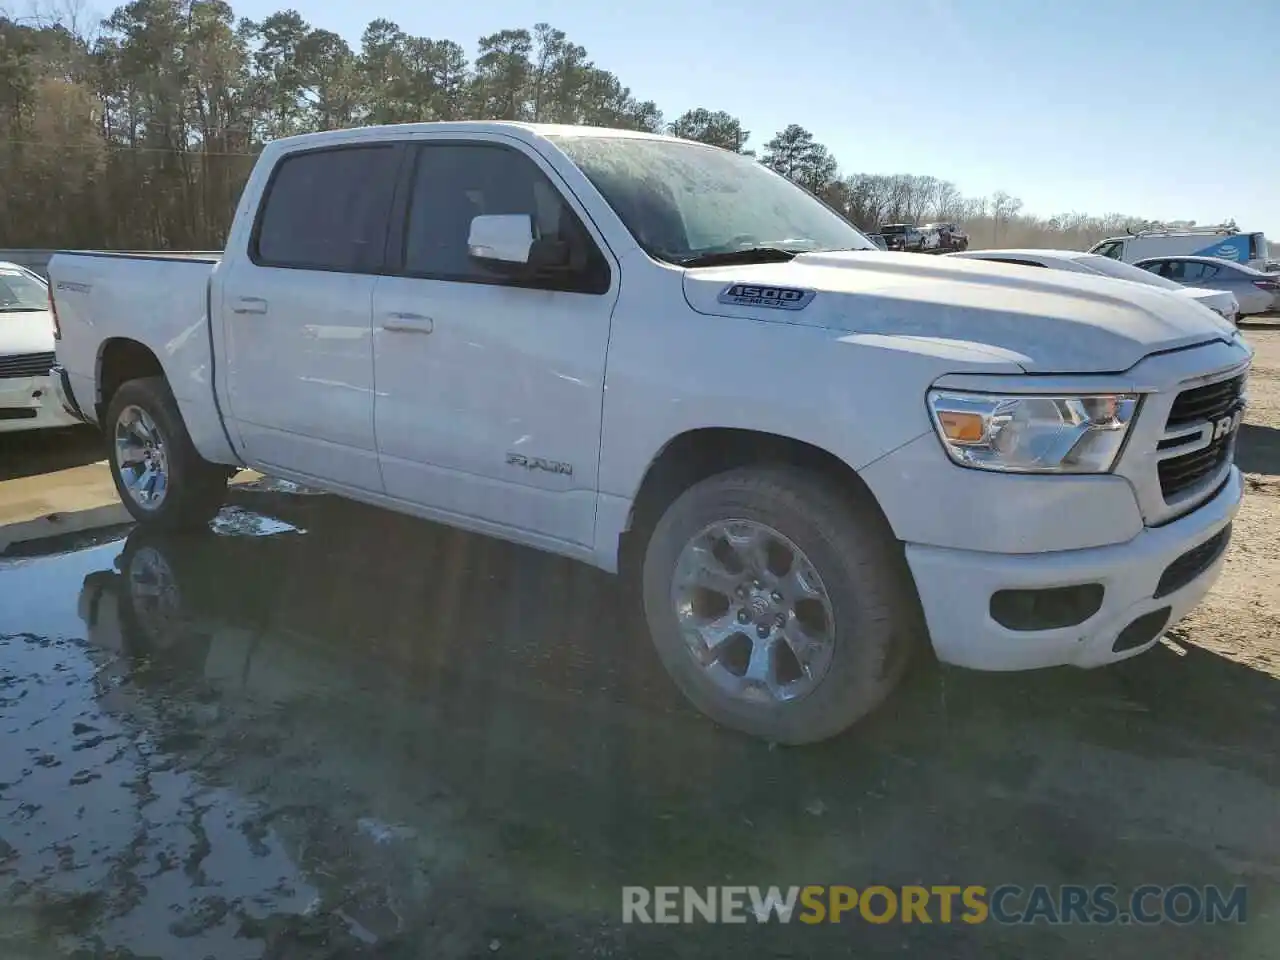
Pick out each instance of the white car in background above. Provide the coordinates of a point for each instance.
(27, 401)
(1221, 302)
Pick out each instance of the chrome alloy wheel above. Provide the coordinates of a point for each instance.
(141, 457)
(753, 611)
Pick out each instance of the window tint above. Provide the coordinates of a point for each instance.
(1191, 272)
(454, 183)
(328, 209)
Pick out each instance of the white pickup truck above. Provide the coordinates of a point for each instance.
(659, 357)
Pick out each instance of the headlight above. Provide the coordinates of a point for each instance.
(1033, 434)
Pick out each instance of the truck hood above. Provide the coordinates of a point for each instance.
(1047, 321)
(25, 333)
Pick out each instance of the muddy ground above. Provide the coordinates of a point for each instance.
(330, 732)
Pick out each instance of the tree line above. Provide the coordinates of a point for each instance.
(139, 131)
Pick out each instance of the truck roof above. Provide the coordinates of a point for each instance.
(519, 130)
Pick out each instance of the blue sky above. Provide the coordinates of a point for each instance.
(1159, 108)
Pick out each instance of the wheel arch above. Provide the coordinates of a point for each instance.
(701, 452)
(119, 360)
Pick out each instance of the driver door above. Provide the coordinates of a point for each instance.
(489, 385)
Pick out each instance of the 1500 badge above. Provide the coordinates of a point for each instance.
(538, 463)
(775, 298)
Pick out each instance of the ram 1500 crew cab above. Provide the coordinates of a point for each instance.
(660, 357)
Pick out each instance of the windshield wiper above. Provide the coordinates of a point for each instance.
(4, 309)
(730, 258)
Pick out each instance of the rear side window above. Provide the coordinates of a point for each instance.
(1197, 271)
(328, 210)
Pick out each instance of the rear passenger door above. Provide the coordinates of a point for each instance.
(489, 385)
(297, 314)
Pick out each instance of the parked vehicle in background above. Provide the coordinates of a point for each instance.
(1224, 242)
(547, 311)
(1256, 291)
(930, 239)
(1221, 302)
(26, 353)
(902, 237)
(950, 236)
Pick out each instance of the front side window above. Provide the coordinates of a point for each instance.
(1113, 249)
(328, 210)
(683, 200)
(20, 292)
(455, 183)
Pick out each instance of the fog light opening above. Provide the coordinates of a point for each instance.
(1047, 608)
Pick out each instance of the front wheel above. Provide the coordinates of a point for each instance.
(780, 605)
(160, 477)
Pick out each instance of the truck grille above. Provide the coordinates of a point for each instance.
(1201, 404)
(1179, 473)
(1209, 402)
(26, 365)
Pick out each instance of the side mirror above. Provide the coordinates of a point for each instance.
(506, 241)
(502, 238)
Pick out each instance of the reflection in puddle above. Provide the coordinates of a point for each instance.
(382, 736)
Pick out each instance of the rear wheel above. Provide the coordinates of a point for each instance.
(160, 477)
(779, 605)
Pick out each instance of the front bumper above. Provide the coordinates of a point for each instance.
(32, 403)
(956, 586)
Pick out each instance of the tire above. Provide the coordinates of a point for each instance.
(874, 613)
(193, 488)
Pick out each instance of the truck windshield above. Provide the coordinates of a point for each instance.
(681, 200)
(21, 293)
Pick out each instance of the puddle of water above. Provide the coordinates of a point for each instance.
(377, 735)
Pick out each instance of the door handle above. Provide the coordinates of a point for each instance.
(408, 323)
(250, 305)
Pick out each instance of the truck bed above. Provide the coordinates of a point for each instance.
(197, 256)
(157, 301)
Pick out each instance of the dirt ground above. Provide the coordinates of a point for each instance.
(330, 732)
